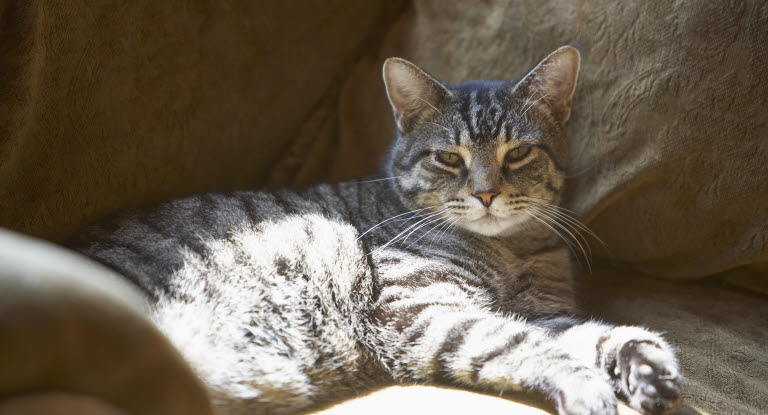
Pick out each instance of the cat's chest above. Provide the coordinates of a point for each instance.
(513, 271)
(509, 258)
(498, 264)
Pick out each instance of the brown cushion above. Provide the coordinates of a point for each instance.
(108, 105)
(70, 325)
(57, 404)
(158, 100)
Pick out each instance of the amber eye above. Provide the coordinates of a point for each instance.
(517, 154)
(449, 159)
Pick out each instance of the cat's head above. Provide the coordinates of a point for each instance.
(484, 154)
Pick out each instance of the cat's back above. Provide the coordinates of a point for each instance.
(149, 244)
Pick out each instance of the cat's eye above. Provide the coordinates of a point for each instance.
(517, 154)
(449, 159)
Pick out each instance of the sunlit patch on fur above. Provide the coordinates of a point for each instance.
(248, 342)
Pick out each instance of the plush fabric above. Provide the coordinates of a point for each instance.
(58, 404)
(110, 104)
(70, 325)
(669, 128)
(107, 106)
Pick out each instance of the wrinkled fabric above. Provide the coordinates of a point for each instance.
(110, 104)
(104, 107)
(669, 126)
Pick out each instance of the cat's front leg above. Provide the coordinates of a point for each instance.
(435, 333)
(639, 363)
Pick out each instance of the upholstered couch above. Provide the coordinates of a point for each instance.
(105, 105)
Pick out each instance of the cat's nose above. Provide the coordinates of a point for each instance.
(486, 197)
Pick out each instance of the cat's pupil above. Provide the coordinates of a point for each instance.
(450, 159)
(517, 154)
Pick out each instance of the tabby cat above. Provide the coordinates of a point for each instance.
(447, 271)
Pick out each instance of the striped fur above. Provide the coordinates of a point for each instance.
(284, 300)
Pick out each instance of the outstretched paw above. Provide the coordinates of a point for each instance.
(649, 377)
(587, 396)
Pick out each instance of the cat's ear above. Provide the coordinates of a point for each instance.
(552, 82)
(414, 95)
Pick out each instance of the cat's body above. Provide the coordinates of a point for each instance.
(282, 300)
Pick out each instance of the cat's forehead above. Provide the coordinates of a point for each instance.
(470, 86)
(485, 114)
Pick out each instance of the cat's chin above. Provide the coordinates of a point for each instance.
(490, 225)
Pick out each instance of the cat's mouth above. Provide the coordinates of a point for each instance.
(488, 218)
(491, 223)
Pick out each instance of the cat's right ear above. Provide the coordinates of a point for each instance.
(414, 95)
(553, 81)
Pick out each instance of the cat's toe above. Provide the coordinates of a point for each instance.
(650, 377)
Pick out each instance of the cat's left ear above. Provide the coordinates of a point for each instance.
(553, 82)
(415, 96)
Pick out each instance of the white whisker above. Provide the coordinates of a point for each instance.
(564, 214)
(394, 217)
(442, 228)
(534, 103)
(555, 217)
(587, 257)
(428, 103)
(427, 223)
(570, 220)
(440, 222)
(527, 100)
(448, 228)
(567, 242)
(419, 215)
(378, 180)
(408, 229)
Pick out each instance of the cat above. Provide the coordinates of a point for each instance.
(448, 270)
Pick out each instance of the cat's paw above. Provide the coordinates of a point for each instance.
(587, 396)
(649, 377)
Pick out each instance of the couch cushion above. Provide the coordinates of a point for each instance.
(669, 137)
(668, 128)
(108, 105)
(57, 404)
(71, 325)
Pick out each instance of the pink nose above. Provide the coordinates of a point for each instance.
(485, 197)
